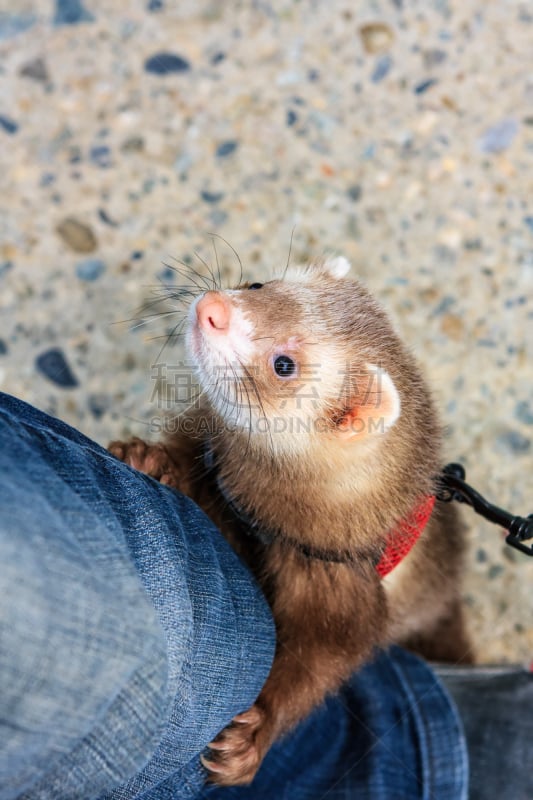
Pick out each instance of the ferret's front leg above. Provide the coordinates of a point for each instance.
(152, 459)
(309, 664)
(292, 690)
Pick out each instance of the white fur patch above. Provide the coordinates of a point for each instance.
(389, 394)
(394, 579)
(338, 267)
(236, 345)
(219, 361)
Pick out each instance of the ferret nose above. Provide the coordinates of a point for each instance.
(213, 313)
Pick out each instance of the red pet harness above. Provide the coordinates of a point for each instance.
(405, 536)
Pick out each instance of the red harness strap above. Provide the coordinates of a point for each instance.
(405, 536)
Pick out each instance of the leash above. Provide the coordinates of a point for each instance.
(452, 487)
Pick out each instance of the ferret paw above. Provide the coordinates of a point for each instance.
(237, 752)
(152, 459)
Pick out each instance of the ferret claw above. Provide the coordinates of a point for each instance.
(211, 766)
(242, 719)
(218, 745)
(237, 752)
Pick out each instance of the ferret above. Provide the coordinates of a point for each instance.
(314, 447)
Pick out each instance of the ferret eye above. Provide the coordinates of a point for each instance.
(284, 366)
(256, 286)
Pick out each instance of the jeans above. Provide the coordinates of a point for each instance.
(130, 634)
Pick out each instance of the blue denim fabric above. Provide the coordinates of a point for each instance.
(130, 634)
(390, 734)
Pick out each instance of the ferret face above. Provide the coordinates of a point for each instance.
(296, 359)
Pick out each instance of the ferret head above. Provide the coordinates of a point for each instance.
(302, 360)
(324, 409)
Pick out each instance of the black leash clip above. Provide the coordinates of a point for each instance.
(452, 486)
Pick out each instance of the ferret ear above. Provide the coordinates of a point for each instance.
(337, 267)
(374, 408)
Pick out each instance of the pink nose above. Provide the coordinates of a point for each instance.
(213, 313)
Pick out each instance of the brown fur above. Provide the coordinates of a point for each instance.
(325, 490)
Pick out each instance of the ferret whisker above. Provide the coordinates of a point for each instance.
(166, 336)
(170, 336)
(181, 326)
(234, 388)
(163, 314)
(208, 268)
(124, 321)
(140, 323)
(170, 293)
(193, 398)
(189, 267)
(191, 274)
(244, 391)
(161, 286)
(235, 254)
(213, 241)
(250, 419)
(290, 251)
(147, 306)
(146, 318)
(188, 289)
(237, 390)
(185, 272)
(260, 403)
(194, 283)
(184, 301)
(220, 398)
(161, 300)
(227, 384)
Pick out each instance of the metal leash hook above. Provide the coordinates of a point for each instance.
(453, 487)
